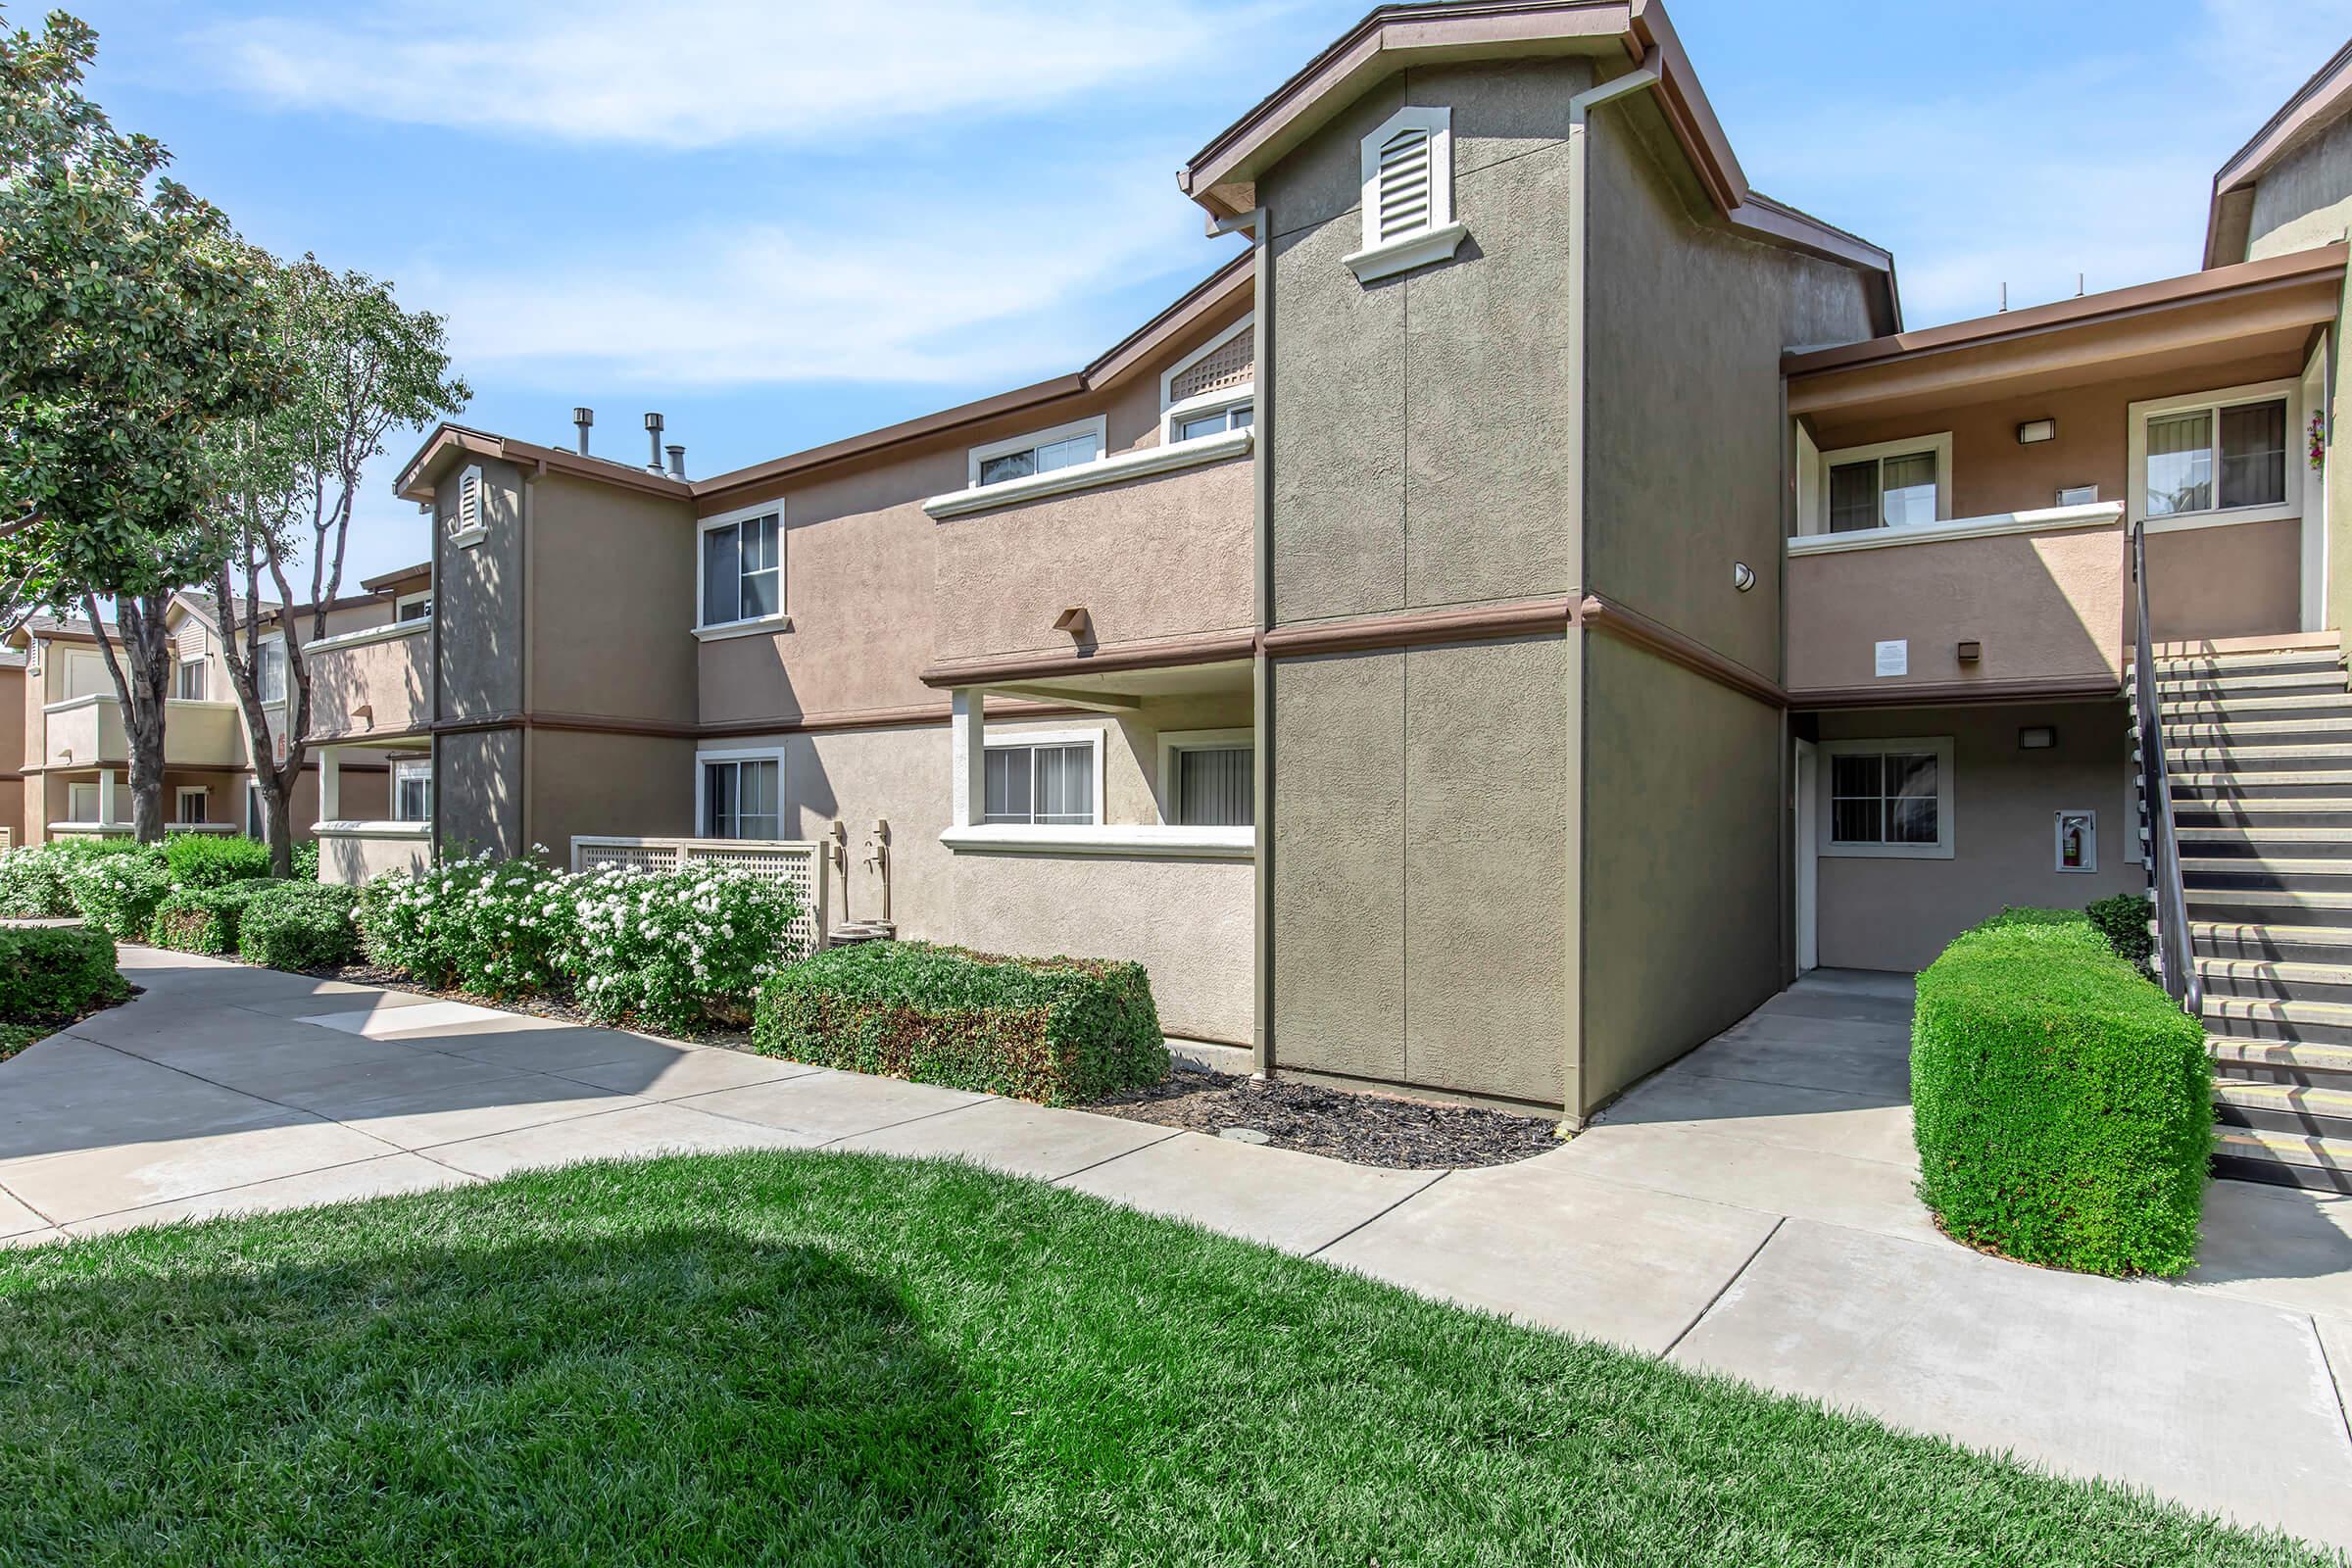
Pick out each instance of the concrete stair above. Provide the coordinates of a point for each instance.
(2258, 745)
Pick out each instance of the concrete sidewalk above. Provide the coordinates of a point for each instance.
(1748, 1211)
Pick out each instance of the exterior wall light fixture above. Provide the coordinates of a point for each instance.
(2036, 738)
(2033, 430)
(1743, 575)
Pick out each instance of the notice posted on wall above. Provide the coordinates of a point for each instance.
(1894, 658)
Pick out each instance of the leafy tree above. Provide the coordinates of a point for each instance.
(357, 367)
(130, 326)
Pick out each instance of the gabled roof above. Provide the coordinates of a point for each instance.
(385, 580)
(2311, 109)
(449, 442)
(1223, 176)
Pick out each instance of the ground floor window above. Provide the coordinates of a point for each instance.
(741, 798)
(193, 803)
(252, 810)
(1041, 783)
(413, 790)
(81, 803)
(1889, 798)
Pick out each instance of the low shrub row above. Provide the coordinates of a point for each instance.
(204, 919)
(2062, 1102)
(117, 884)
(1058, 1031)
(672, 950)
(35, 879)
(299, 925)
(53, 974)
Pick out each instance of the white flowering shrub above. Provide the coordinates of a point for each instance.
(497, 929)
(117, 893)
(674, 949)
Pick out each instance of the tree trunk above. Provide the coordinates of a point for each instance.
(142, 677)
(278, 821)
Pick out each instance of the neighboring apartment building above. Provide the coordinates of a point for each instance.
(75, 774)
(1484, 640)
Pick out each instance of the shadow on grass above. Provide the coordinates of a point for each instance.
(684, 1395)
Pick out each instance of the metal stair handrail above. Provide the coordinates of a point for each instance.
(2176, 953)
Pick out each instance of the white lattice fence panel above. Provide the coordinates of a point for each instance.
(600, 855)
(795, 864)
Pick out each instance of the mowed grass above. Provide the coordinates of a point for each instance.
(823, 1358)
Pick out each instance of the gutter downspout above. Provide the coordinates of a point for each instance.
(1254, 224)
(1572, 985)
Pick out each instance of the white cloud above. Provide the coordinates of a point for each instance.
(703, 72)
(991, 291)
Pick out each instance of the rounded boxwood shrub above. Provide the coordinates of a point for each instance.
(306, 861)
(1058, 1031)
(2063, 1105)
(201, 860)
(2124, 921)
(204, 919)
(299, 925)
(118, 891)
(55, 973)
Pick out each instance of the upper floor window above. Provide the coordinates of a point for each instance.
(1889, 484)
(1042, 779)
(1213, 389)
(269, 669)
(1407, 166)
(1233, 416)
(414, 607)
(1065, 446)
(2218, 456)
(743, 569)
(187, 680)
(1207, 778)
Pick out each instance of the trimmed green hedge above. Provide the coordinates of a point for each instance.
(2062, 1104)
(299, 925)
(1058, 1031)
(2124, 921)
(55, 973)
(204, 919)
(201, 860)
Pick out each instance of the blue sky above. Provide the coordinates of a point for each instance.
(780, 223)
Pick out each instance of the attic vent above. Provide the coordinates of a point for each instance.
(1405, 194)
(191, 642)
(1408, 194)
(1228, 364)
(470, 499)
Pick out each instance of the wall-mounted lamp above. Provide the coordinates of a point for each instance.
(2033, 430)
(2036, 738)
(1743, 576)
(1969, 653)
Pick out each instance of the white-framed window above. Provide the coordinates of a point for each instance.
(269, 669)
(2209, 458)
(1065, 446)
(1888, 798)
(412, 789)
(741, 568)
(1207, 778)
(188, 680)
(193, 803)
(1049, 778)
(741, 795)
(252, 810)
(1887, 484)
(1213, 388)
(414, 607)
(81, 801)
(1408, 168)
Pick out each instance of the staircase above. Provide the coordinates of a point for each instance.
(2258, 741)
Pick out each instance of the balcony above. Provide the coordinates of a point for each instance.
(1143, 547)
(86, 732)
(2021, 604)
(370, 683)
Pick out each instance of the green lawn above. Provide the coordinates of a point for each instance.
(814, 1358)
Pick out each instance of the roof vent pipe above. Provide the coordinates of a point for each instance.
(677, 462)
(583, 417)
(653, 432)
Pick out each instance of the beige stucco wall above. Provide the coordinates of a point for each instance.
(1683, 898)
(1152, 559)
(2043, 606)
(626, 785)
(358, 861)
(2242, 580)
(1899, 914)
(390, 678)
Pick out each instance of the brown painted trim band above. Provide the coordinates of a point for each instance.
(1948, 692)
(1631, 626)
(911, 715)
(1160, 654)
(1525, 617)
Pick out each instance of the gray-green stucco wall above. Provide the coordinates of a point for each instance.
(1685, 829)
(1418, 460)
(478, 665)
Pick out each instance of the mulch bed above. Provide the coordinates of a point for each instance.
(1361, 1129)
(17, 1033)
(554, 1004)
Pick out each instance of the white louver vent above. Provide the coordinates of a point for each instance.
(1404, 195)
(470, 499)
(1408, 194)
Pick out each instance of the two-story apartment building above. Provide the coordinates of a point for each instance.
(75, 755)
(1491, 634)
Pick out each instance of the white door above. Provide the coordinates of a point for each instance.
(1808, 856)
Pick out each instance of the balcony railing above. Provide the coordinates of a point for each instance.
(370, 682)
(87, 732)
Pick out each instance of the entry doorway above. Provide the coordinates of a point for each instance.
(1807, 805)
